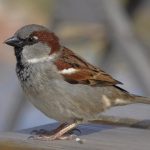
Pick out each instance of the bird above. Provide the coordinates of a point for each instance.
(60, 83)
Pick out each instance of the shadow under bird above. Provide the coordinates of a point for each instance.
(60, 83)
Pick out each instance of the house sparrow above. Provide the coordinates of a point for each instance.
(60, 83)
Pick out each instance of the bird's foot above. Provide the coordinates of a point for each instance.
(63, 132)
(50, 137)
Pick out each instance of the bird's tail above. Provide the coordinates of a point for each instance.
(132, 99)
(140, 99)
(126, 98)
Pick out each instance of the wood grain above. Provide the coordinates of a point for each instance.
(96, 137)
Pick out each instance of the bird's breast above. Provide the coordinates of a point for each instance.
(61, 100)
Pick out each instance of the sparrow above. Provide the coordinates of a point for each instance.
(61, 84)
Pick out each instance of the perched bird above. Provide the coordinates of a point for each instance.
(60, 83)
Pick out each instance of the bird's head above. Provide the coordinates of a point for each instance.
(34, 43)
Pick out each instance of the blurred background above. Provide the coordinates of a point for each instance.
(114, 35)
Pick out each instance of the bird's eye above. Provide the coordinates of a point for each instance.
(32, 39)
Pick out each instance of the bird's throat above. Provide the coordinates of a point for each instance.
(22, 68)
(18, 53)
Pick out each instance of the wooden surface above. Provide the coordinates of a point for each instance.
(96, 137)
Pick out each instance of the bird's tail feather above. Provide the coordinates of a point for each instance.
(132, 100)
(140, 99)
(127, 98)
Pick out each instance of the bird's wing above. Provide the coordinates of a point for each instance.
(76, 70)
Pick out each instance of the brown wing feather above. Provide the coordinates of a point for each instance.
(86, 74)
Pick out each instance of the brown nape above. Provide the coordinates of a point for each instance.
(49, 38)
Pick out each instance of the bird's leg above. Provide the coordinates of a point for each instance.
(61, 132)
(43, 132)
(61, 126)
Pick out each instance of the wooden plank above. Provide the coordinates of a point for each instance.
(96, 137)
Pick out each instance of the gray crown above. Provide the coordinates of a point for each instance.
(25, 31)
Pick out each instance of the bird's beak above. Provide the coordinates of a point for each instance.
(14, 41)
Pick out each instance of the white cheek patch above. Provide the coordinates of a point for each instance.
(43, 59)
(68, 71)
